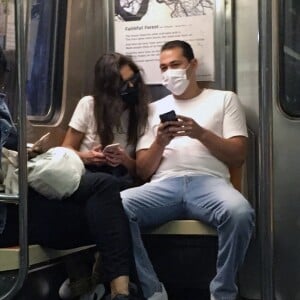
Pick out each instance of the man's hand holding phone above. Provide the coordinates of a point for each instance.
(165, 132)
(168, 116)
(173, 125)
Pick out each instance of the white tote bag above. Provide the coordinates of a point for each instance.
(56, 174)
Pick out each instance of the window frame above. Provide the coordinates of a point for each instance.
(288, 110)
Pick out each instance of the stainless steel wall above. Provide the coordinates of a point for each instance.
(86, 40)
(272, 268)
(247, 84)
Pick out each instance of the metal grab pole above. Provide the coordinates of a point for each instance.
(21, 73)
(265, 148)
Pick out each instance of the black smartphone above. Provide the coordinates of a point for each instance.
(168, 116)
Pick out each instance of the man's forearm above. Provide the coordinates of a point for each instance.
(148, 161)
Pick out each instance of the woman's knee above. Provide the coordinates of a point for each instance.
(101, 191)
(104, 182)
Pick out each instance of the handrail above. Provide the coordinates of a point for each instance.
(21, 73)
(8, 198)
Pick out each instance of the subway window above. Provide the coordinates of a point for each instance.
(46, 35)
(290, 57)
(45, 58)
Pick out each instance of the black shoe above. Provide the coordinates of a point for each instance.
(133, 290)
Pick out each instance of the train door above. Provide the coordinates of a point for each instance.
(270, 89)
(285, 112)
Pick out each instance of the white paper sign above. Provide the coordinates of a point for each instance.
(143, 26)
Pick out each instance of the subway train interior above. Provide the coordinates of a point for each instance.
(254, 50)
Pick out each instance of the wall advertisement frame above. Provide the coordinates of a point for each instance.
(141, 27)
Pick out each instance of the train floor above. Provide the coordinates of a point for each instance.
(184, 265)
(44, 285)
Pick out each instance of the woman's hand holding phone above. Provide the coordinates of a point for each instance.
(95, 156)
(114, 154)
(112, 148)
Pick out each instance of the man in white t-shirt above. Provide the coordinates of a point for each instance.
(186, 162)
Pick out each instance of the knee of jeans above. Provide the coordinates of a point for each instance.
(242, 214)
(128, 209)
(108, 182)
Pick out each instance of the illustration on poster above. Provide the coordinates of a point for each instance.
(135, 10)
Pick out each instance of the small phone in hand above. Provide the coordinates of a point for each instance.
(168, 116)
(40, 144)
(111, 148)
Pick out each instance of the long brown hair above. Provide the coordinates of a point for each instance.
(108, 105)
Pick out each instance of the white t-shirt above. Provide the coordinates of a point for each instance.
(217, 111)
(83, 120)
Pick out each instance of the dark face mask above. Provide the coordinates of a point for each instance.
(129, 92)
(130, 96)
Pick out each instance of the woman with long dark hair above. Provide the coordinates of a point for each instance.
(115, 113)
(104, 130)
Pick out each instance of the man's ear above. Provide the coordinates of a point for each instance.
(193, 67)
(194, 63)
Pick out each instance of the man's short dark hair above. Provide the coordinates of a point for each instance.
(187, 50)
(3, 62)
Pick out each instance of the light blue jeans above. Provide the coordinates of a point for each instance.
(210, 199)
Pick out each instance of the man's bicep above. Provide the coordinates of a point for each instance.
(234, 123)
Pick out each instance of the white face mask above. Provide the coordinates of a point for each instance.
(175, 80)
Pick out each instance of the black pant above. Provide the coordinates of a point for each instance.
(93, 214)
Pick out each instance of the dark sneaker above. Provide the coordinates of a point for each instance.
(96, 294)
(133, 290)
(159, 295)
